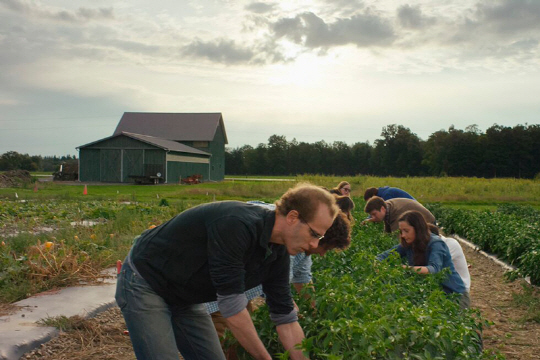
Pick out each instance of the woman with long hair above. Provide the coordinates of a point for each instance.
(343, 188)
(426, 253)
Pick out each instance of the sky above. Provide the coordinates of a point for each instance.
(332, 70)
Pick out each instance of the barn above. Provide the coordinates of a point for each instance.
(163, 146)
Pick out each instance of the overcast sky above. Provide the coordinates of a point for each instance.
(333, 70)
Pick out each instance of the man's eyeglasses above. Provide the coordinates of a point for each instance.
(311, 231)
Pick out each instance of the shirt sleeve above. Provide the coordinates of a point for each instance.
(278, 291)
(398, 248)
(436, 257)
(228, 241)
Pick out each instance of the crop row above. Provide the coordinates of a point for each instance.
(366, 310)
(512, 233)
(46, 244)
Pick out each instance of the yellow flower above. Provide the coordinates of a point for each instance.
(76, 237)
(93, 236)
(152, 226)
(48, 245)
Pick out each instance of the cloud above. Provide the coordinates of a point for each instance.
(221, 51)
(411, 17)
(495, 31)
(260, 7)
(80, 15)
(311, 31)
(508, 17)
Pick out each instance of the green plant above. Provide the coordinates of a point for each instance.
(530, 299)
(512, 233)
(369, 310)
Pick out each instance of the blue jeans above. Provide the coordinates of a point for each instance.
(159, 330)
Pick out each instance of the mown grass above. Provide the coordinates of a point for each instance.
(457, 192)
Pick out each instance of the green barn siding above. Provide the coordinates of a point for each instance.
(132, 164)
(154, 162)
(177, 170)
(217, 161)
(89, 168)
(110, 165)
(217, 148)
(115, 159)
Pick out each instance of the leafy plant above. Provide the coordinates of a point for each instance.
(369, 310)
(512, 233)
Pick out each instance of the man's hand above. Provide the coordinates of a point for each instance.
(244, 331)
(290, 335)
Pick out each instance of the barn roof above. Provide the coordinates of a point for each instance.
(161, 143)
(173, 126)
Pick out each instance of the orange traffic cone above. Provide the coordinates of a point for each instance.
(35, 187)
(85, 191)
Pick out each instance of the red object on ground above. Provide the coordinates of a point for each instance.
(85, 192)
(126, 332)
(35, 187)
(118, 266)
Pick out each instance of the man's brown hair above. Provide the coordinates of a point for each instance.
(375, 203)
(305, 198)
(346, 205)
(370, 192)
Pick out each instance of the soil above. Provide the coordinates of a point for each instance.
(490, 293)
(14, 178)
(103, 337)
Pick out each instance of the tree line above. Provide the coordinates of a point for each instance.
(499, 152)
(13, 160)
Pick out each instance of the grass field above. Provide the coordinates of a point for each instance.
(475, 193)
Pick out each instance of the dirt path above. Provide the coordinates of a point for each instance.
(103, 337)
(493, 296)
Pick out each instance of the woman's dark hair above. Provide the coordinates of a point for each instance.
(370, 192)
(338, 236)
(434, 229)
(346, 205)
(420, 243)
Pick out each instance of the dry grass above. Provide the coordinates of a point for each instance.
(102, 337)
(59, 264)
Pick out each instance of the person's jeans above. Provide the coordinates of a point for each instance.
(158, 330)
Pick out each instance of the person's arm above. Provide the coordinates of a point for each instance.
(301, 275)
(244, 331)
(279, 300)
(435, 260)
(419, 269)
(382, 256)
(367, 220)
(228, 241)
(290, 335)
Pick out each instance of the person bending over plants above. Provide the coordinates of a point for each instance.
(390, 211)
(343, 188)
(338, 236)
(459, 261)
(426, 252)
(214, 252)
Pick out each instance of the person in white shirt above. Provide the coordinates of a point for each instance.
(458, 259)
